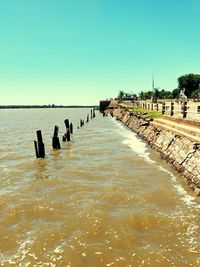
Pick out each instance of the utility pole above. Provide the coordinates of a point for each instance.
(153, 98)
(153, 87)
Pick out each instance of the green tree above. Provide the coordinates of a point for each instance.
(148, 94)
(141, 95)
(190, 82)
(165, 94)
(175, 93)
(127, 96)
(195, 95)
(162, 94)
(156, 93)
(168, 94)
(134, 96)
(121, 95)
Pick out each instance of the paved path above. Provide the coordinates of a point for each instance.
(191, 132)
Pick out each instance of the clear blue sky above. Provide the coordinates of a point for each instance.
(80, 51)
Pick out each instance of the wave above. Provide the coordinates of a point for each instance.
(131, 139)
(140, 148)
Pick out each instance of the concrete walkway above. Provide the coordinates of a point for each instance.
(192, 133)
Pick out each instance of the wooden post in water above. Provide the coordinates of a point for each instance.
(88, 118)
(66, 123)
(55, 139)
(36, 149)
(91, 113)
(94, 113)
(81, 122)
(67, 128)
(39, 145)
(71, 128)
(68, 135)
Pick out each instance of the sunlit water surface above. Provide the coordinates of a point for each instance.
(104, 199)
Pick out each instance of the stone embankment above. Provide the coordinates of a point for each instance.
(182, 153)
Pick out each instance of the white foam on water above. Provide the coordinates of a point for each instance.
(137, 145)
(23, 251)
(187, 199)
(140, 147)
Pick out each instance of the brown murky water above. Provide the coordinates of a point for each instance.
(104, 199)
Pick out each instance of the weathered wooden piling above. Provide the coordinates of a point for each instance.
(68, 135)
(39, 145)
(87, 120)
(91, 113)
(66, 123)
(55, 139)
(71, 128)
(81, 123)
(36, 149)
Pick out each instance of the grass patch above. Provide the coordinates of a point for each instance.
(150, 113)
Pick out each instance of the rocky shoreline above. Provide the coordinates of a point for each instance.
(178, 150)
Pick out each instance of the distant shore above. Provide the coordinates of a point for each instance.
(44, 106)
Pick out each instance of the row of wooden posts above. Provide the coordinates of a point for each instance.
(183, 108)
(39, 145)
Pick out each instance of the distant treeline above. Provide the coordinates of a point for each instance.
(43, 106)
(189, 83)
